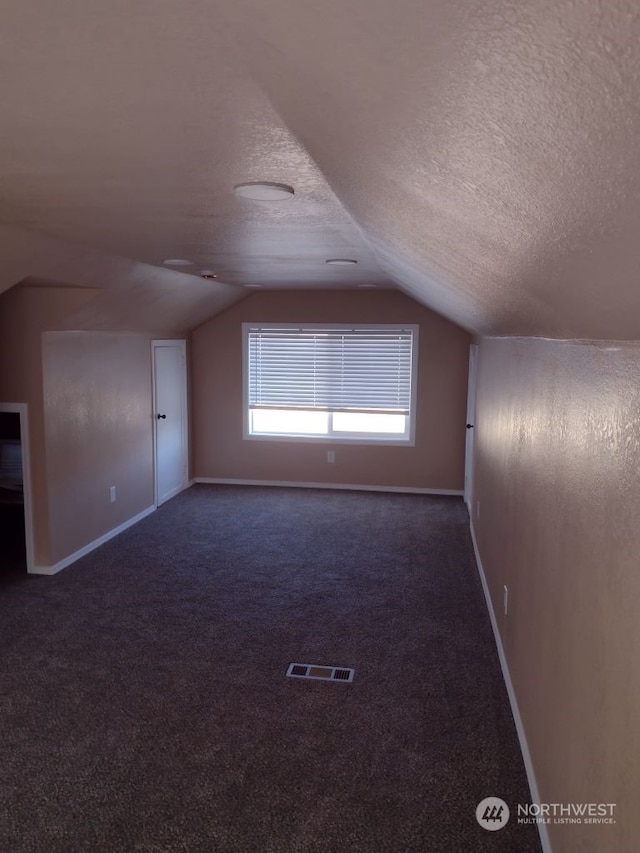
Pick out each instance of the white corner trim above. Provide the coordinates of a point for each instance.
(224, 481)
(522, 737)
(62, 564)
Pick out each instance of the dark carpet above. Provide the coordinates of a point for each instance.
(144, 704)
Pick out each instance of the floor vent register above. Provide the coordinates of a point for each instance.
(320, 673)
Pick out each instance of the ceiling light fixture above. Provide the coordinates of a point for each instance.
(177, 262)
(341, 262)
(263, 191)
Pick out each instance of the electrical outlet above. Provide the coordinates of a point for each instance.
(331, 456)
(112, 494)
(505, 599)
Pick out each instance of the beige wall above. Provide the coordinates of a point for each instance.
(90, 417)
(219, 450)
(98, 429)
(557, 477)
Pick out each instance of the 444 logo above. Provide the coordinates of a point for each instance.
(492, 813)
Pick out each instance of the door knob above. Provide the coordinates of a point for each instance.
(161, 416)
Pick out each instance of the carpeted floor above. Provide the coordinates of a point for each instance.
(144, 706)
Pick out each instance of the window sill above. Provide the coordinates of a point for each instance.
(377, 441)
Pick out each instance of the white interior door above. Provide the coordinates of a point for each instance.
(170, 418)
(471, 419)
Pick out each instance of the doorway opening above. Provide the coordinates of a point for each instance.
(471, 418)
(16, 537)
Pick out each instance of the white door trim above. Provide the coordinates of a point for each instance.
(23, 410)
(182, 344)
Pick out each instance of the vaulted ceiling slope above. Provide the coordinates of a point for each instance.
(483, 157)
(122, 294)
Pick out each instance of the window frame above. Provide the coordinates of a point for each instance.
(407, 439)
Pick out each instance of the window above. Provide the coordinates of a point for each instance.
(354, 383)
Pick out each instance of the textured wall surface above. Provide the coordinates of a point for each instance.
(97, 405)
(558, 487)
(220, 451)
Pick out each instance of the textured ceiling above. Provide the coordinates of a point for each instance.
(483, 157)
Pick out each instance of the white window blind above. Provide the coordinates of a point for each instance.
(358, 369)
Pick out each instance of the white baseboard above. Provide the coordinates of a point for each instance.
(347, 486)
(62, 564)
(524, 746)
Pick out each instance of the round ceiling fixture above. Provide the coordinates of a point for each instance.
(263, 191)
(177, 262)
(341, 262)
